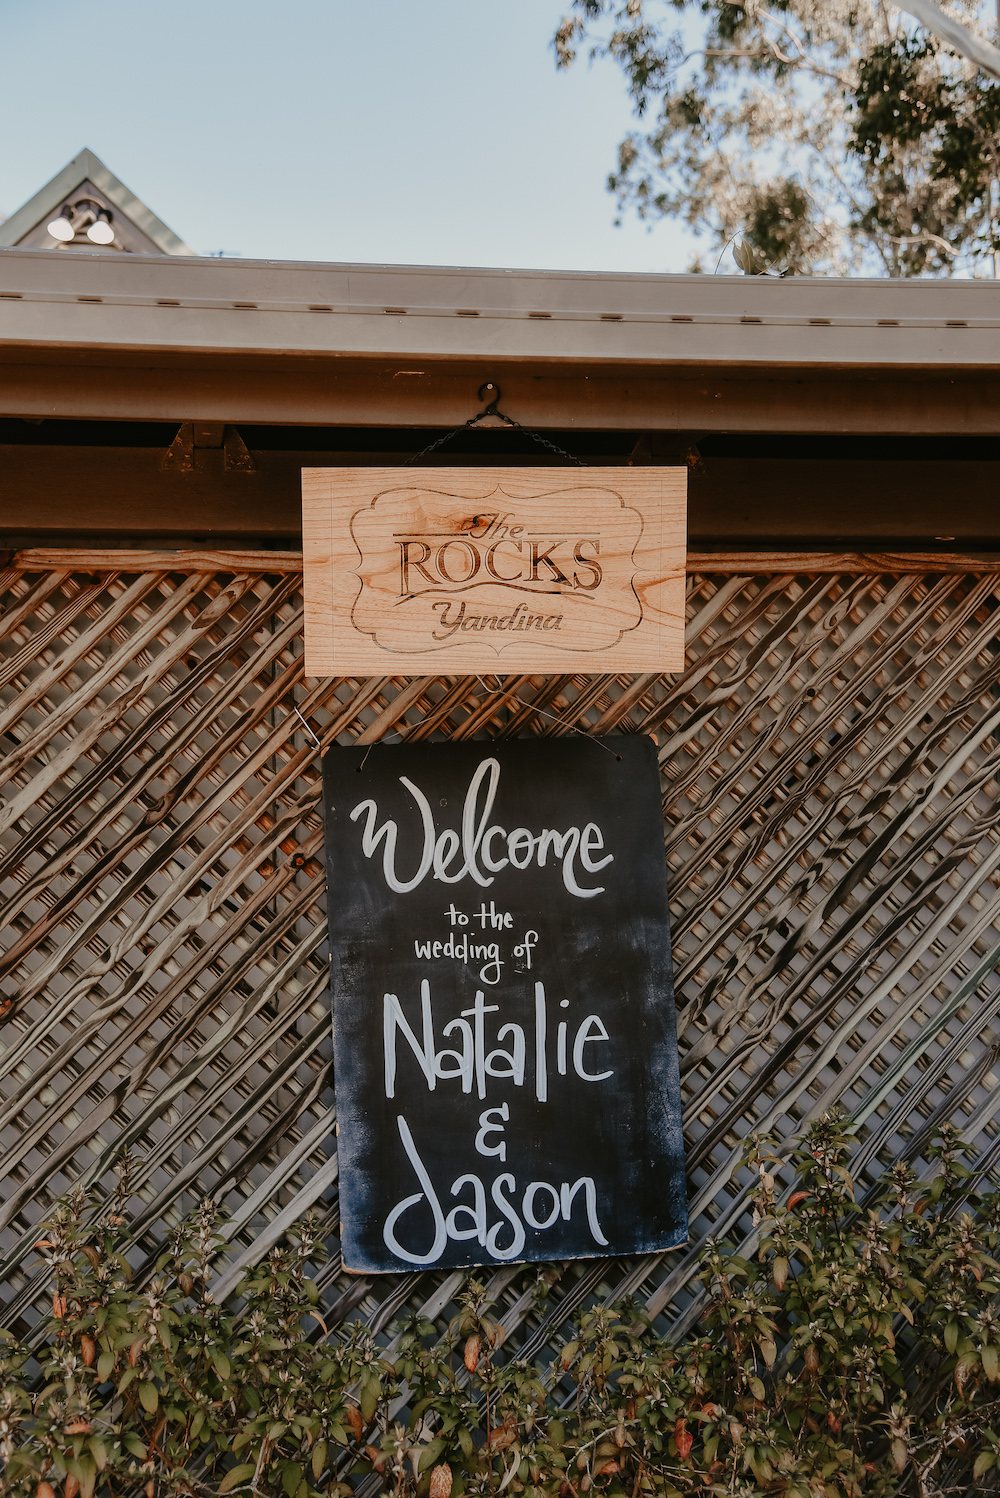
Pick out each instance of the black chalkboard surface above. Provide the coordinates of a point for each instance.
(504, 1034)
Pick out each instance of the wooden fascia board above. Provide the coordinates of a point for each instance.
(441, 394)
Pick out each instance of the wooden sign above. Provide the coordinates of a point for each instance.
(504, 1034)
(430, 570)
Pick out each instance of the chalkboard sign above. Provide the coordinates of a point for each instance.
(504, 1030)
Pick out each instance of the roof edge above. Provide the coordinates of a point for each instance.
(192, 305)
(85, 165)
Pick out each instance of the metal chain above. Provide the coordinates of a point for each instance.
(491, 410)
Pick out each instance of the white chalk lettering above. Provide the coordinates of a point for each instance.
(591, 1029)
(592, 838)
(465, 949)
(528, 1204)
(428, 1193)
(370, 839)
(541, 1069)
(525, 948)
(493, 1236)
(476, 1214)
(475, 843)
(470, 1220)
(486, 1127)
(567, 1194)
(479, 1059)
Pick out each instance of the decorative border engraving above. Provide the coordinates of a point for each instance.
(493, 569)
(437, 568)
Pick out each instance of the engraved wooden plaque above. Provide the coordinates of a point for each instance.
(430, 570)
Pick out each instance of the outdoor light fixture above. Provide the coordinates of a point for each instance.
(83, 216)
(100, 231)
(62, 227)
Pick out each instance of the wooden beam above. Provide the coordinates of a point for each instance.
(420, 393)
(110, 559)
(778, 563)
(85, 494)
(764, 563)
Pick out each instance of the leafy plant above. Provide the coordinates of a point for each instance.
(853, 1350)
(834, 137)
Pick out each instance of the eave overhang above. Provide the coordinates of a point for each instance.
(108, 304)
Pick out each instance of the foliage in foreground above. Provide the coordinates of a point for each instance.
(835, 135)
(857, 1353)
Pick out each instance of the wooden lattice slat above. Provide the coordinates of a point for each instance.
(829, 764)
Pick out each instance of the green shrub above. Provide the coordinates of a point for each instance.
(857, 1352)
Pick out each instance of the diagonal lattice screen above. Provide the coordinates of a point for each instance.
(832, 833)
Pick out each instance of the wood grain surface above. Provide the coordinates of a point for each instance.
(829, 765)
(493, 569)
(747, 563)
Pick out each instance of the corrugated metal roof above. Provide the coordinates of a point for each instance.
(86, 300)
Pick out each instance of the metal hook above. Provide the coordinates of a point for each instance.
(484, 393)
(492, 395)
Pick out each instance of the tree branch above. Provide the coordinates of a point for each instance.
(985, 56)
(753, 54)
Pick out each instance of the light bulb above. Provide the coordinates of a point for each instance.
(61, 228)
(101, 232)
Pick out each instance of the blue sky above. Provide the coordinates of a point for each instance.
(434, 133)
